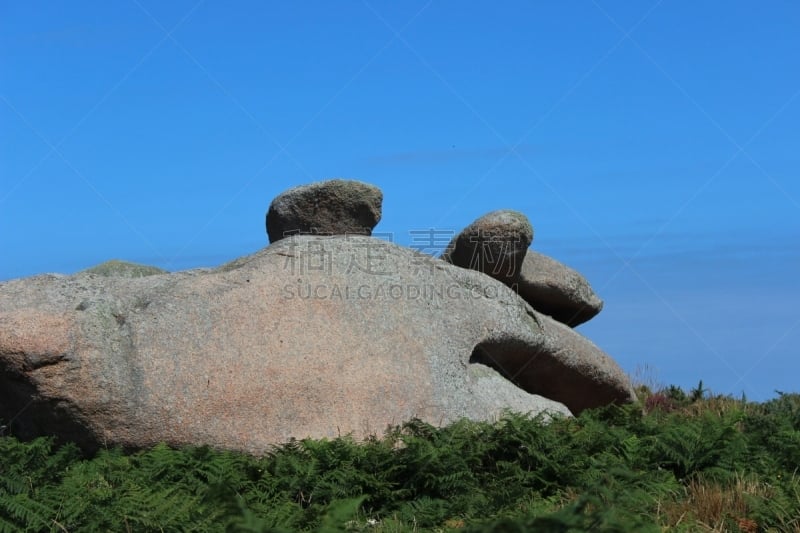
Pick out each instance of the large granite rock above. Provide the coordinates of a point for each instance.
(494, 244)
(333, 207)
(557, 290)
(310, 337)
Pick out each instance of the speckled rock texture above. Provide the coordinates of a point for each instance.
(494, 244)
(557, 290)
(564, 365)
(332, 207)
(310, 337)
(126, 269)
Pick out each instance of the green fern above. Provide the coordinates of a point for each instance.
(610, 469)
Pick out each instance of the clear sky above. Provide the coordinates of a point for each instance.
(654, 145)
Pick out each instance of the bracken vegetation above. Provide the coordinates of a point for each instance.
(675, 462)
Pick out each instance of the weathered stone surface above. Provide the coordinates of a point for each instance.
(494, 244)
(557, 290)
(333, 207)
(310, 337)
(126, 269)
(564, 366)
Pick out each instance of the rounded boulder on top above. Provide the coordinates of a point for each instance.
(332, 207)
(494, 244)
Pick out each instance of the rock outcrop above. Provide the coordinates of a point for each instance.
(564, 366)
(494, 244)
(292, 341)
(333, 207)
(557, 290)
(313, 336)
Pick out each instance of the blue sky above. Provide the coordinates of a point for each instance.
(654, 146)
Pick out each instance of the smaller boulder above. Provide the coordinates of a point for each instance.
(494, 244)
(557, 290)
(333, 207)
